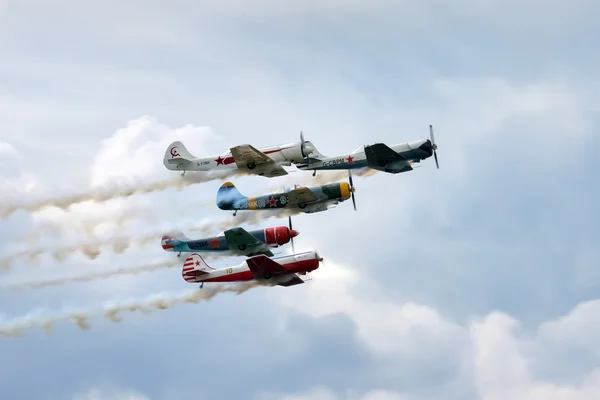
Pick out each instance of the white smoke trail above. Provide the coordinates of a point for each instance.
(178, 182)
(90, 277)
(17, 327)
(119, 245)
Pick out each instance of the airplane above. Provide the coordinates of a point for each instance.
(235, 241)
(307, 199)
(265, 161)
(282, 271)
(395, 159)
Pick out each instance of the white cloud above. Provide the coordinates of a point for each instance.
(130, 156)
(15, 180)
(135, 153)
(503, 362)
(498, 358)
(388, 329)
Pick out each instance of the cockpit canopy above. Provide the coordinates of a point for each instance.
(282, 190)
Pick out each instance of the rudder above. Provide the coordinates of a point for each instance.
(227, 194)
(193, 267)
(177, 155)
(169, 240)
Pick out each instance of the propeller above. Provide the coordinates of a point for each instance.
(434, 146)
(292, 238)
(302, 145)
(352, 189)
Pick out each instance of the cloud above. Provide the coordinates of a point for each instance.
(135, 153)
(504, 369)
(127, 158)
(492, 352)
(15, 180)
(459, 273)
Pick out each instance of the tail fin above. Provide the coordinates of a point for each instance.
(227, 195)
(177, 156)
(194, 267)
(172, 239)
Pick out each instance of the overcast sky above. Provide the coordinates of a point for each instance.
(479, 280)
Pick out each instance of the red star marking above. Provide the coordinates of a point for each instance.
(214, 243)
(197, 263)
(219, 160)
(350, 159)
(272, 202)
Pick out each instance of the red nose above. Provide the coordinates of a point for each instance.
(293, 233)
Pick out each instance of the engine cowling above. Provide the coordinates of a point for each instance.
(279, 235)
(293, 153)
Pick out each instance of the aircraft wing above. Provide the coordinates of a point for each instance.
(296, 280)
(239, 239)
(383, 158)
(246, 154)
(259, 265)
(302, 195)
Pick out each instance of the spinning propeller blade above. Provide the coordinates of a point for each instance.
(434, 146)
(302, 145)
(292, 239)
(352, 188)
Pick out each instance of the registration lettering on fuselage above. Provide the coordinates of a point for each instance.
(201, 244)
(334, 162)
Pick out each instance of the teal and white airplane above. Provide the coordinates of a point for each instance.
(392, 159)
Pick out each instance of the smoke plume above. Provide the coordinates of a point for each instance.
(178, 182)
(90, 277)
(18, 326)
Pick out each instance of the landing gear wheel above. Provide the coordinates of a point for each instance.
(242, 247)
(302, 205)
(251, 165)
(267, 275)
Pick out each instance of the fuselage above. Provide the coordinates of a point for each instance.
(272, 237)
(327, 194)
(295, 263)
(284, 154)
(415, 151)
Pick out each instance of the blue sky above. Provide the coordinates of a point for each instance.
(475, 281)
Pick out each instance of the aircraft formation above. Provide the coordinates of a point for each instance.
(261, 264)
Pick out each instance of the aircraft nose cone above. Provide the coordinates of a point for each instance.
(308, 148)
(427, 147)
(294, 233)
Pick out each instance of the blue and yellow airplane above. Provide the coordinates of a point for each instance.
(306, 199)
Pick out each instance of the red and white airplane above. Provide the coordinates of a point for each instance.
(282, 270)
(266, 161)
